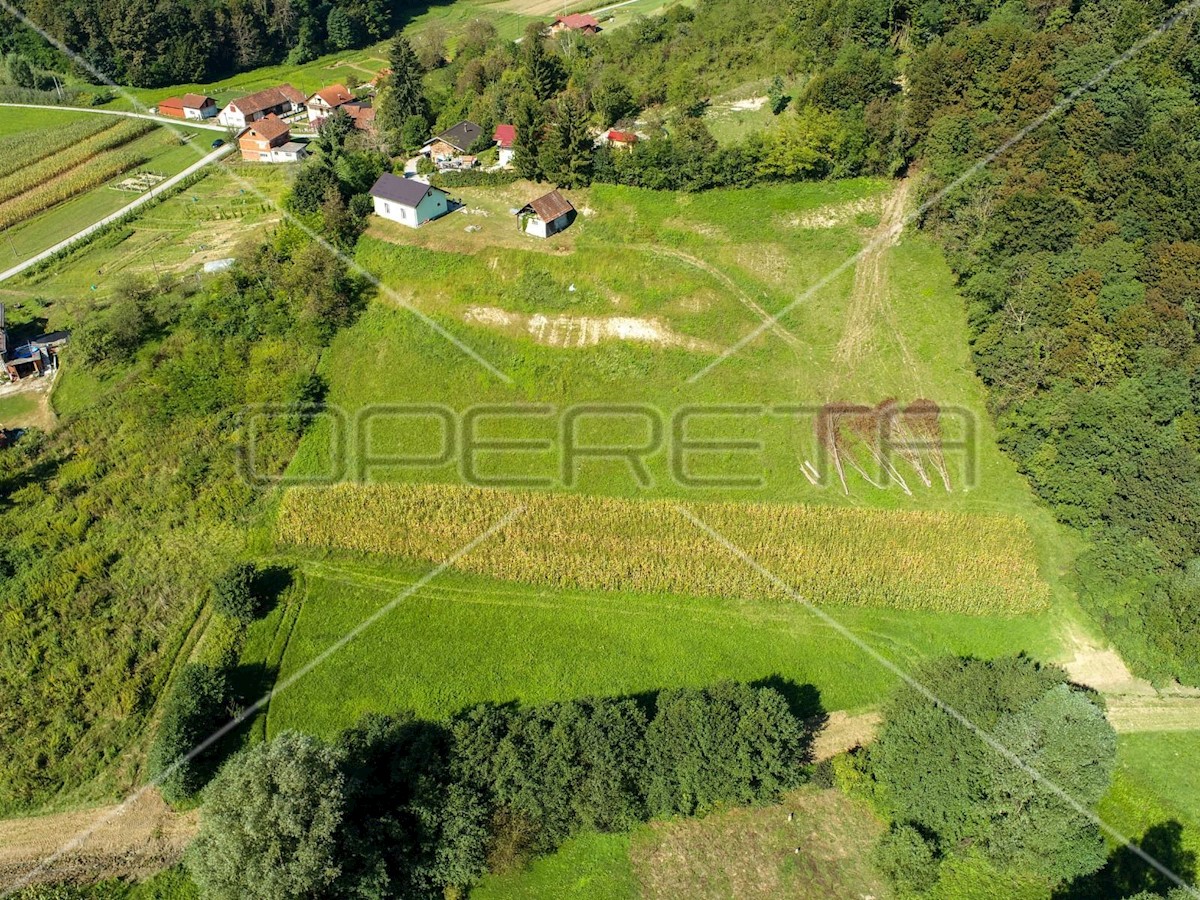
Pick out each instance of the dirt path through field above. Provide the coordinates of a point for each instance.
(869, 309)
(145, 838)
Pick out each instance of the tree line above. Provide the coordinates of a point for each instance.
(154, 43)
(399, 806)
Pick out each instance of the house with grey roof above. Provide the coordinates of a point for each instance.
(452, 148)
(408, 201)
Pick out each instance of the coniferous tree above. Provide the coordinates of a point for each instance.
(530, 125)
(403, 93)
(567, 155)
(542, 67)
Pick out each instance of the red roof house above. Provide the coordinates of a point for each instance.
(581, 22)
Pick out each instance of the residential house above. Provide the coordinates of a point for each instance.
(196, 107)
(547, 215)
(279, 101)
(326, 100)
(621, 140)
(408, 201)
(581, 22)
(363, 114)
(270, 140)
(34, 357)
(451, 148)
(505, 136)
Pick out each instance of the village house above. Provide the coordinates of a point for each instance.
(363, 114)
(189, 106)
(279, 101)
(547, 215)
(621, 140)
(505, 136)
(408, 201)
(451, 148)
(270, 140)
(326, 100)
(581, 22)
(34, 357)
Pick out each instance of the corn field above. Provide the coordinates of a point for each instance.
(78, 181)
(22, 150)
(863, 557)
(33, 177)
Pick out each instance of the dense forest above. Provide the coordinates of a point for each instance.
(150, 44)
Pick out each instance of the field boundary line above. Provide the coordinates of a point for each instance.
(161, 120)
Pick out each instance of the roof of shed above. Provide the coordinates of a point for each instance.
(549, 207)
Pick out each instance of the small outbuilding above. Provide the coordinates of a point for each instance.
(621, 140)
(547, 215)
(408, 201)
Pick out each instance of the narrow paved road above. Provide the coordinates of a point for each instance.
(162, 120)
(140, 201)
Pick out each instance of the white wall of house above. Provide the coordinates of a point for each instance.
(232, 118)
(506, 155)
(206, 112)
(432, 206)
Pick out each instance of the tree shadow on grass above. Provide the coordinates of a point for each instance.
(1126, 873)
(269, 585)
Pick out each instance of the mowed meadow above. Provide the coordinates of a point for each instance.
(601, 583)
(463, 639)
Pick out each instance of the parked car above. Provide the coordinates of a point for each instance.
(219, 142)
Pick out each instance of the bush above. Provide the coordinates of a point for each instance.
(234, 594)
(730, 743)
(942, 776)
(271, 823)
(907, 858)
(195, 708)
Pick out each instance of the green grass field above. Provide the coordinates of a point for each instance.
(731, 855)
(464, 639)
(16, 409)
(693, 265)
(589, 866)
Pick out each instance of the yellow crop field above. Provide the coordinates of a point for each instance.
(864, 557)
